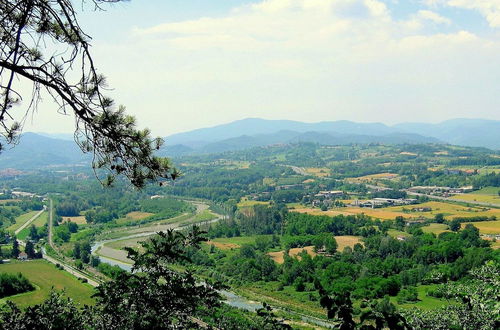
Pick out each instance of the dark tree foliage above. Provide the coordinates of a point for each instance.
(13, 284)
(66, 70)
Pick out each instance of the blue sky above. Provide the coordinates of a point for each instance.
(179, 65)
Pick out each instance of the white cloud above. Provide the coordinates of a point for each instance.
(434, 17)
(490, 9)
(305, 60)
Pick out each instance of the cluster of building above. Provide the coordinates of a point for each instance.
(384, 202)
(440, 191)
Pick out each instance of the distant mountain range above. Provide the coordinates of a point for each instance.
(35, 150)
(254, 132)
(38, 150)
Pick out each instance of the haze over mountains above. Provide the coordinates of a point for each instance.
(36, 150)
(258, 132)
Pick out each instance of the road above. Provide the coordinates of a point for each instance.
(70, 269)
(33, 218)
(452, 199)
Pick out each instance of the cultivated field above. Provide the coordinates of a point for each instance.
(448, 209)
(80, 220)
(46, 276)
(224, 246)
(369, 178)
(247, 203)
(279, 257)
(345, 241)
(486, 227)
(319, 172)
(485, 195)
(382, 214)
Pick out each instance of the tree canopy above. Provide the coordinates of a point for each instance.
(43, 45)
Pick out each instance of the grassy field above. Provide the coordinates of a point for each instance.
(435, 228)
(133, 216)
(319, 172)
(20, 220)
(80, 220)
(485, 195)
(395, 233)
(383, 214)
(486, 227)
(246, 203)
(449, 210)
(372, 177)
(345, 241)
(425, 302)
(46, 276)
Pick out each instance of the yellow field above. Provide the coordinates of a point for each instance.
(246, 203)
(486, 227)
(449, 210)
(486, 195)
(224, 246)
(319, 172)
(278, 257)
(78, 220)
(383, 214)
(408, 153)
(372, 177)
(479, 198)
(345, 241)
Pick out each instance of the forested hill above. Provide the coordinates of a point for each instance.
(253, 132)
(34, 150)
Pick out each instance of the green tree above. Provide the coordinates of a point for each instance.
(439, 218)
(455, 225)
(15, 248)
(33, 233)
(30, 250)
(28, 28)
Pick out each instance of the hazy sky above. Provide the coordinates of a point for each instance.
(179, 65)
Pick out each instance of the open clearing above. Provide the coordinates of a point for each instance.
(368, 178)
(319, 172)
(435, 228)
(486, 227)
(345, 241)
(247, 203)
(382, 214)
(46, 276)
(224, 246)
(80, 220)
(137, 215)
(279, 257)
